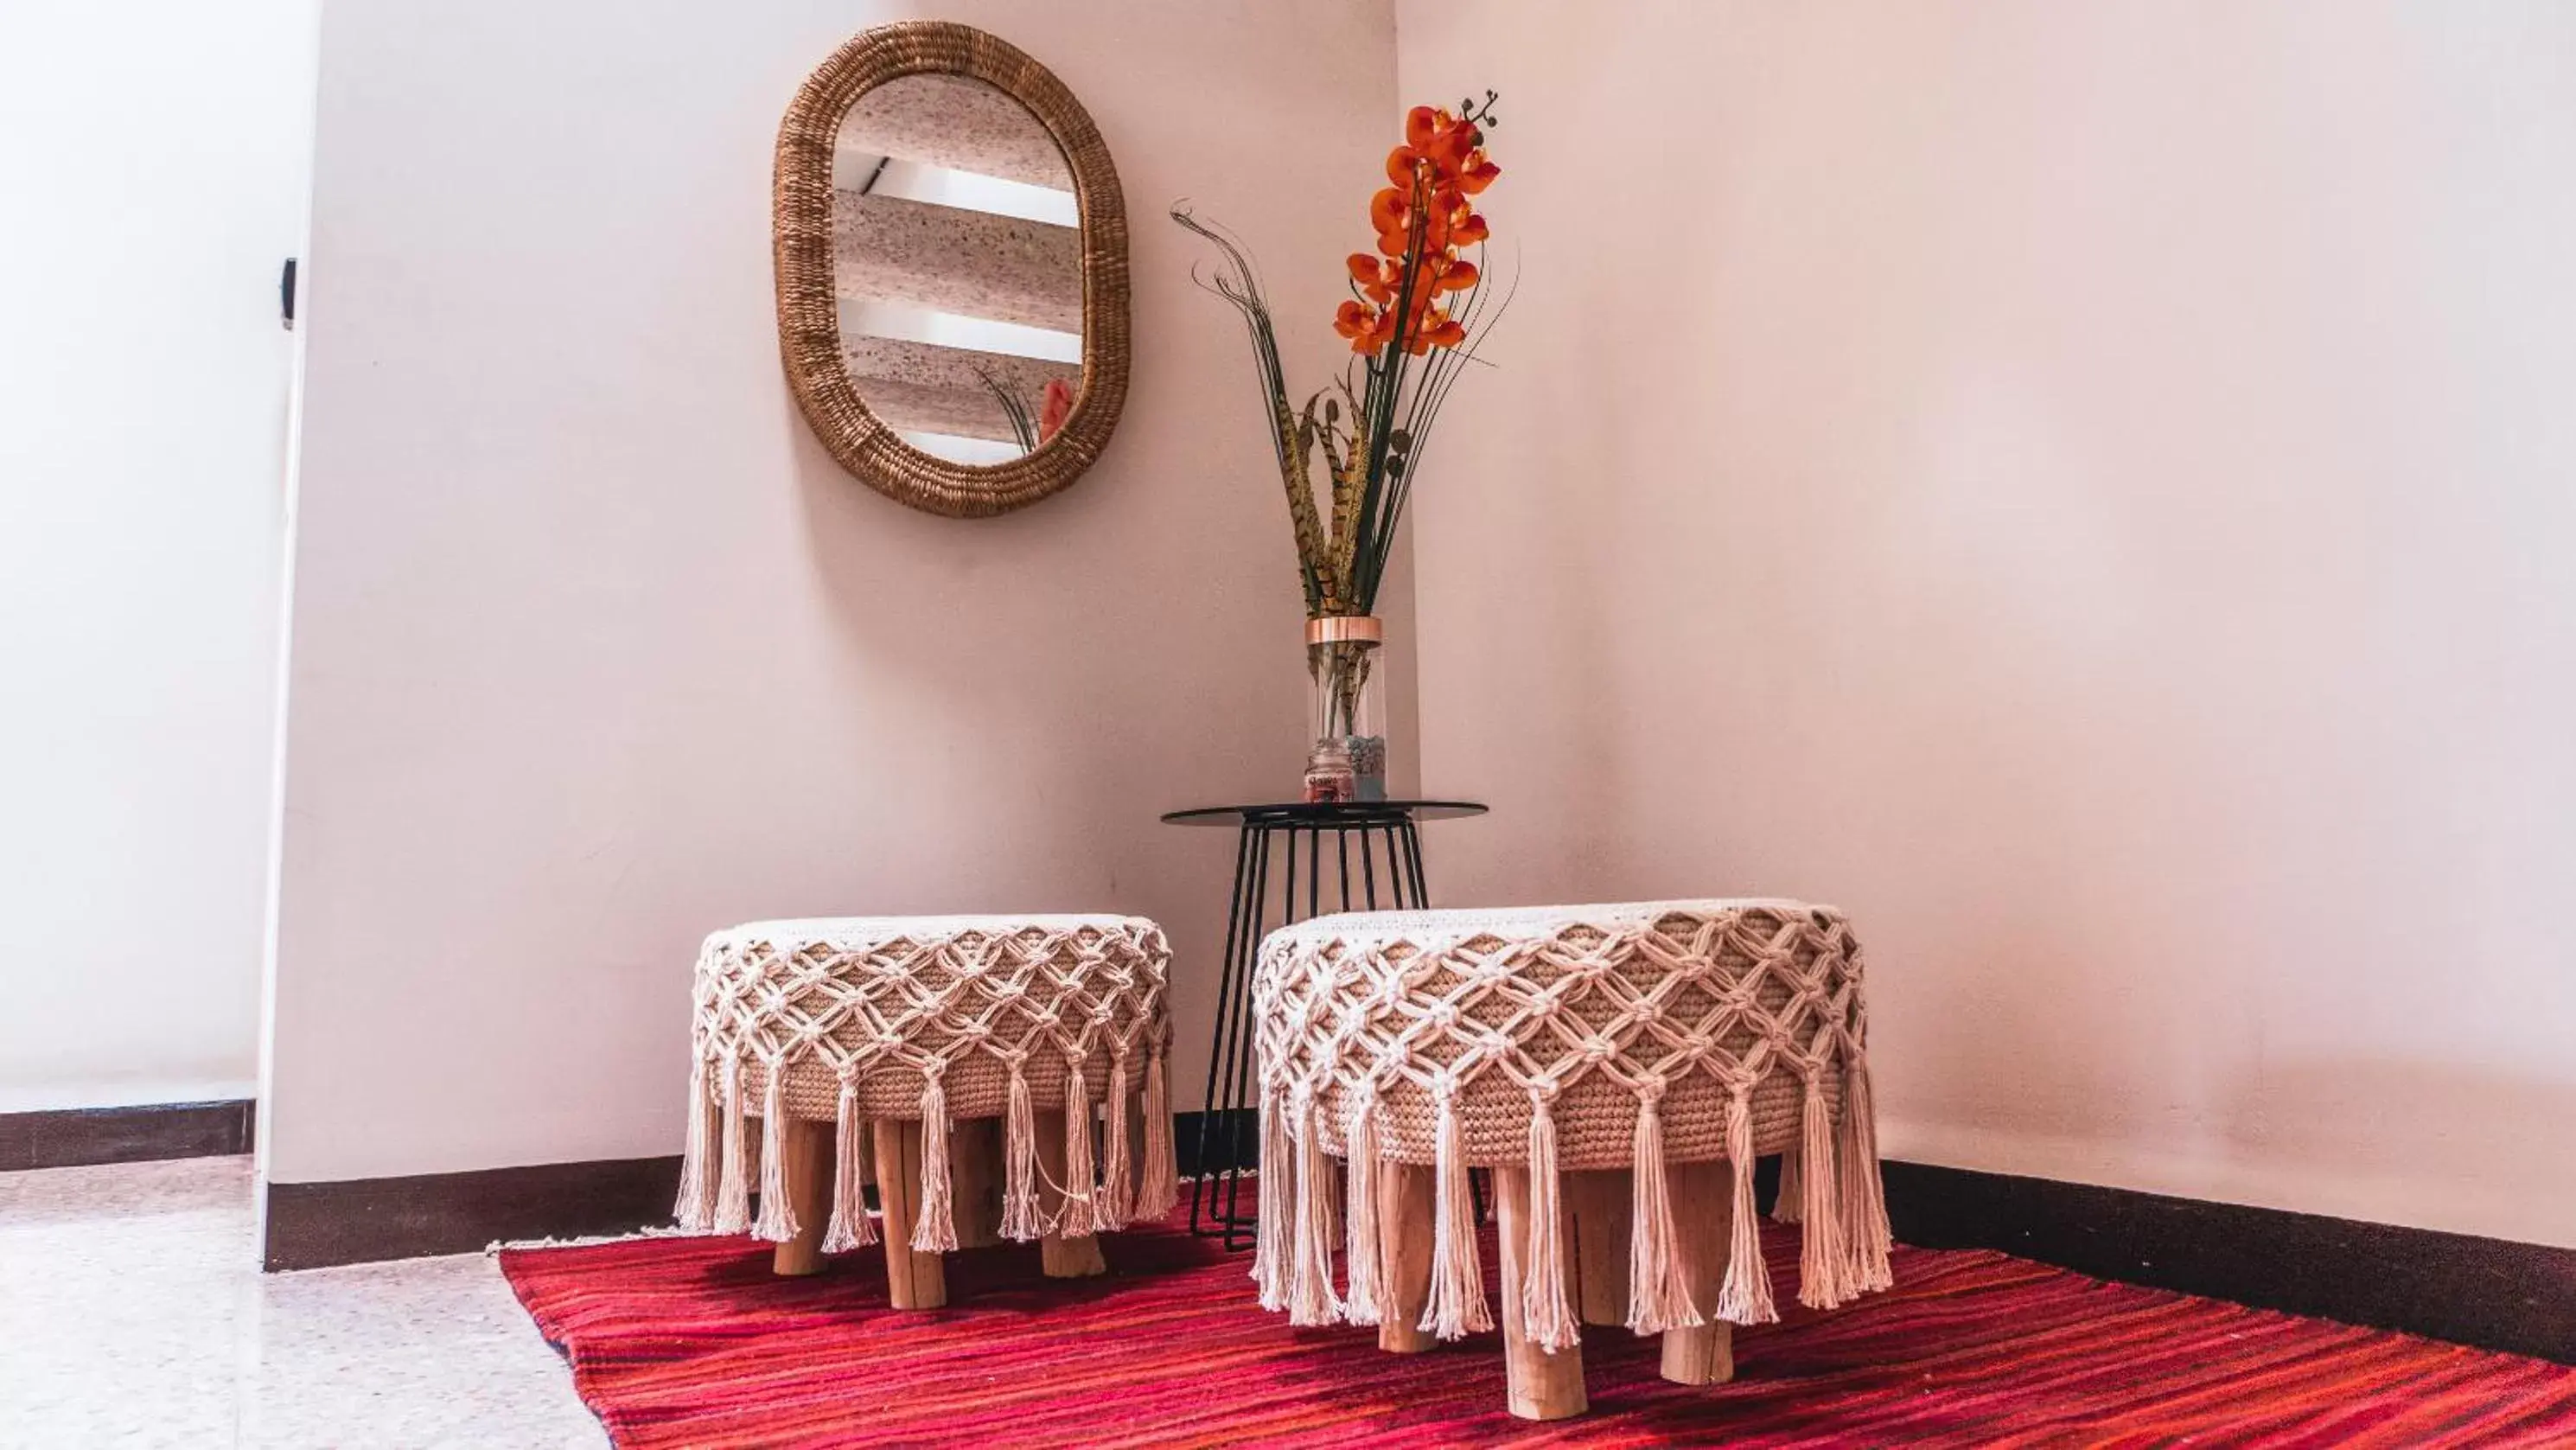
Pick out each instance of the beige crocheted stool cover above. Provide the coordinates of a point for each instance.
(1568, 1048)
(924, 1026)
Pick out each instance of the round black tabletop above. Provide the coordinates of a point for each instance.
(1325, 813)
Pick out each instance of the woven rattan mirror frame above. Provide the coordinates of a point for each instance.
(809, 326)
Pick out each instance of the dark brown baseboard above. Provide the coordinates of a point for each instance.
(316, 1225)
(79, 1137)
(2492, 1293)
(1224, 1145)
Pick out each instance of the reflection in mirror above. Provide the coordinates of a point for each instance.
(957, 263)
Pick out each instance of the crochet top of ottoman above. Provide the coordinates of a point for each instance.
(936, 1018)
(1581, 1037)
(886, 1003)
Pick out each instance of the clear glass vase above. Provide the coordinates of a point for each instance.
(1342, 656)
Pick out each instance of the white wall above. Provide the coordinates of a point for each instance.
(2090, 489)
(152, 161)
(595, 649)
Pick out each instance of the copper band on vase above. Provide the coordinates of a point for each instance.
(1345, 629)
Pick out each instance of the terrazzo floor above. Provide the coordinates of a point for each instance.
(133, 1312)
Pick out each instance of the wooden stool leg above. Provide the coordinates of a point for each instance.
(913, 1281)
(1599, 1202)
(809, 1192)
(1404, 1228)
(975, 1182)
(1060, 1257)
(1539, 1385)
(1703, 1220)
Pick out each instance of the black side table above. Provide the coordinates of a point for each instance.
(1389, 845)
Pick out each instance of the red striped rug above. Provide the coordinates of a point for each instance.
(691, 1342)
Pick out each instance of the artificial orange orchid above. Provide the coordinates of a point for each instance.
(1375, 279)
(1421, 221)
(1368, 328)
(1416, 295)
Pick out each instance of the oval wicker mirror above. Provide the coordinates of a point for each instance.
(951, 246)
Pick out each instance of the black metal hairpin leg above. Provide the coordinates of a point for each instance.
(1229, 1131)
(1209, 1121)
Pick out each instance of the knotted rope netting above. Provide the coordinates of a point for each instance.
(938, 1019)
(1560, 1038)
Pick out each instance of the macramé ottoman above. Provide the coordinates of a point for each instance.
(919, 1026)
(1602, 1060)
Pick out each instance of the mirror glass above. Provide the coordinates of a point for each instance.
(957, 267)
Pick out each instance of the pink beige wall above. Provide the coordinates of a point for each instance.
(2090, 489)
(595, 649)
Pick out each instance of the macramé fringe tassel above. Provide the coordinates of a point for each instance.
(1274, 1243)
(1079, 1216)
(1311, 1300)
(696, 1209)
(1546, 1317)
(1117, 1165)
(1822, 1264)
(1363, 1304)
(733, 1194)
(1021, 1218)
(935, 1232)
(850, 1228)
(1745, 1298)
(777, 1221)
(1456, 1306)
(1658, 1296)
(1792, 1196)
(1158, 1182)
(1863, 1202)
